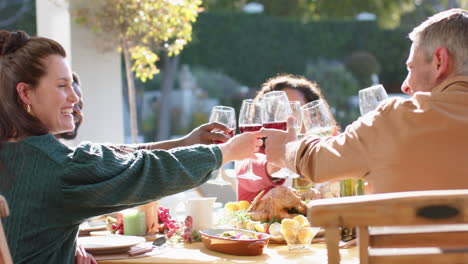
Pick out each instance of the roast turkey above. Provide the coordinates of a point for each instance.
(280, 202)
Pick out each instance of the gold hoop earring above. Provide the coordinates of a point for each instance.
(28, 108)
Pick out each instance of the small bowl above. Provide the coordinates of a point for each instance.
(238, 247)
(299, 238)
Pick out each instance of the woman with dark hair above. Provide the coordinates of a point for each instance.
(54, 188)
(77, 110)
(297, 89)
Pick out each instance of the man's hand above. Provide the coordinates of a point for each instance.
(207, 134)
(275, 144)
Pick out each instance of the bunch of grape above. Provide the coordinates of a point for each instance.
(170, 226)
(117, 228)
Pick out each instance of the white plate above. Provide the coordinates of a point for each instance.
(92, 226)
(109, 244)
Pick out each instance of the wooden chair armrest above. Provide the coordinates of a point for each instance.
(391, 209)
(4, 211)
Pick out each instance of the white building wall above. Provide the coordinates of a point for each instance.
(100, 73)
(53, 21)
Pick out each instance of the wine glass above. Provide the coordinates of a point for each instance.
(369, 98)
(227, 116)
(297, 113)
(250, 119)
(276, 109)
(317, 119)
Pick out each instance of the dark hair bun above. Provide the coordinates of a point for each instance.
(11, 41)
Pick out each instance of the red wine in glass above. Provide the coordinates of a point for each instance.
(276, 125)
(250, 128)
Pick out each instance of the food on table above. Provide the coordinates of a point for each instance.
(231, 206)
(261, 227)
(303, 221)
(297, 231)
(236, 206)
(277, 203)
(114, 226)
(241, 225)
(243, 205)
(310, 194)
(305, 235)
(289, 229)
(275, 229)
(239, 235)
(250, 225)
(329, 189)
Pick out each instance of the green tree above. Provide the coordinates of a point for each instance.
(337, 85)
(140, 29)
(18, 15)
(388, 12)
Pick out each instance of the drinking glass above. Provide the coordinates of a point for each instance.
(317, 119)
(299, 238)
(297, 113)
(276, 109)
(369, 98)
(250, 120)
(227, 116)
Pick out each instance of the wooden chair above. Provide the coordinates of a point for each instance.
(5, 256)
(406, 227)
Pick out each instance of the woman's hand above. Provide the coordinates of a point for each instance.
(83, 257)
(207, 134)
(242, 146)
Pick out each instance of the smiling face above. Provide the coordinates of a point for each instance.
(52, 101)
(421, 76)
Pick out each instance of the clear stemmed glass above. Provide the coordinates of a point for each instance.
(276, 109)
(369, 98)
(227, 116)
(317, 119)
(297, 113)
(250, 119)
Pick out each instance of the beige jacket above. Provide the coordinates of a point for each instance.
(405, 145)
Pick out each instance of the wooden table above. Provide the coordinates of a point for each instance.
(274, 253)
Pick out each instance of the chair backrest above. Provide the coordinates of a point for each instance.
(5, 256)
(406, 227)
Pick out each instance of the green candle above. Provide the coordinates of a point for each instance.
(134, 222)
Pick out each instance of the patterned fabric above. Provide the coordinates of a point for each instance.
(54, 189)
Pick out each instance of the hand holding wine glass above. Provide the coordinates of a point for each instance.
(227, 116)
(250, 120)
(277, 109)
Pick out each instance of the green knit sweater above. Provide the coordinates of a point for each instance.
(55, 189)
